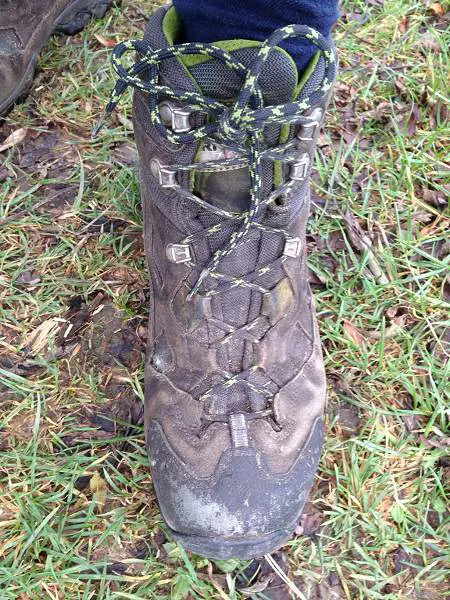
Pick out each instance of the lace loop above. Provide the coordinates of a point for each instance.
(230, 125)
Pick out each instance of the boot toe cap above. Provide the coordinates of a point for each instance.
(244, 510)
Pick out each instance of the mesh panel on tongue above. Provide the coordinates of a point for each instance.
(278, 78)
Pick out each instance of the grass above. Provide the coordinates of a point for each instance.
(78, 518)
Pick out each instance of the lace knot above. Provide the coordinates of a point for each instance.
(230, 130)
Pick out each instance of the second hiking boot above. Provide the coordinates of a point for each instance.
(234, 380)
(25, 27)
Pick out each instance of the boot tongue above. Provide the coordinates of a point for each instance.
(230, 190)
(213, 77)
(278, 78)
(278, 81)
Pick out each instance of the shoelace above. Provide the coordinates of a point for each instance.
(240, 128)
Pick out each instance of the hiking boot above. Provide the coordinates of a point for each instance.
(25, 28)
(234, 377)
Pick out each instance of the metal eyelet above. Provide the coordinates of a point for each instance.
(307, 131)
(178, 119)
(299, 170)
(178, 253)
(165, 176)
(292, 247)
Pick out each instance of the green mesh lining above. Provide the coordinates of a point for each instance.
(284, 134)
(172, 26)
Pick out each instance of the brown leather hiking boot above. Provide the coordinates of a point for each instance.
(25, 27)
(234, 380)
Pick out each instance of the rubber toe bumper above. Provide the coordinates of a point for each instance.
(244, 510)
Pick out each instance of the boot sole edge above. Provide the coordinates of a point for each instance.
(246, 549)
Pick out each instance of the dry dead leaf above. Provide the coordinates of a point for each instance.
(441, 442)
(446, 289)
(413, 422)
(437, 9)
(438, 114)
(8, 511)
(380, 113)
(97, 485)
(409, 117)
(126, 154)
(400, 86)
(397, 326)
(354, 334)
(14, 138)
(310, 523)
(362, 242)
(434, 197)
(404, 25)
(28, 277)
(105, 41)
(414, 118)
(257, 587)
(428, 41)
(21, 427)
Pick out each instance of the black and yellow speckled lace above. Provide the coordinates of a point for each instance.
(238, 127)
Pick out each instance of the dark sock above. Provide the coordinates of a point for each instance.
(214, 20)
